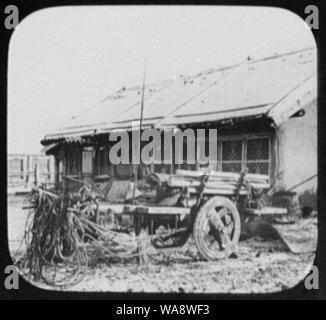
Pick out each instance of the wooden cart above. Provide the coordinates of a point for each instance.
(210, 206)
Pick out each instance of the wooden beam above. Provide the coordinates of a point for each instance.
(267, 211)
(147, 209)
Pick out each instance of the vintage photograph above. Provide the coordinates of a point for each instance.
(162, 149)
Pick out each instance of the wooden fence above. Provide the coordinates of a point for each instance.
(26, 170)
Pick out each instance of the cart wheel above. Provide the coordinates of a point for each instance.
(217, 228)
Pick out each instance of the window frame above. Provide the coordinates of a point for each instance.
(90, 150)
(269, 161)
(244, 144)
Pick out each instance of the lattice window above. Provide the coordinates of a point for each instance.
(258, 155)
(245, 152)
(232, 155)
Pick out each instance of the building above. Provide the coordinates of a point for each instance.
(265, 113)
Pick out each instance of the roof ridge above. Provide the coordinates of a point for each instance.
(282, 55)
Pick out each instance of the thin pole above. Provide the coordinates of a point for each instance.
(140, 128)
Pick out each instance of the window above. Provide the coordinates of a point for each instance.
(258, 155)
(245, 152)
(58, 170)
(87, 161)
(232, 155)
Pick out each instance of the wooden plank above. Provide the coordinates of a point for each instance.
(132, 209)
(198, 174)
(180, 183)
(257, 176)
(189, 173)
(221, 174)
(223, 178)
(223, 186)
(118, 208)
(168, 210)
(229, 175)
(260, 185)
(105, 206)
(222, 192)
(266, 211)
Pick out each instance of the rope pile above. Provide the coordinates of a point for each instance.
(56, 234)
(61, 232)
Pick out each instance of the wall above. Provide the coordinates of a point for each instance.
(297, 151)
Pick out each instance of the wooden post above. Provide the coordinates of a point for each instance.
(65, 168)
(28, 161)
(35, 174)
(22, 168)
(48, 170)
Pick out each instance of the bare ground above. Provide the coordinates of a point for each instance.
(260, 266)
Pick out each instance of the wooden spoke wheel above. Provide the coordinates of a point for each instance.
(217, 228)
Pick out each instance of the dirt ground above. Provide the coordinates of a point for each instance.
(260, 266)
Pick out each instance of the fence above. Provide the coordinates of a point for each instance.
(26, 170)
